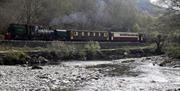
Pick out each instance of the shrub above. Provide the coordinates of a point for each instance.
(13, 58)
(67, 52)
(113, 54)
(92, 48)
(173, 51)
(55, 46)
(81, 55)
(148, 51)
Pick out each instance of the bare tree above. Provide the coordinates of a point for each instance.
(160, 41)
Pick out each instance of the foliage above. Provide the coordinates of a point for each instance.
(136, 28)
(92, 48)
(160, 42)
(174, 36)
(118, 15)
(172, 4)
(67, 52)
(12, 58)
(63, 50)
(173, 50)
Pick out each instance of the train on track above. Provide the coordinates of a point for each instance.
(31, 32)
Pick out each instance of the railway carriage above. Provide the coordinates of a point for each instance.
(84, 35)
(126, 37)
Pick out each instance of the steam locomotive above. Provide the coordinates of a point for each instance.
(27, 32)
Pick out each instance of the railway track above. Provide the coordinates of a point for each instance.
(21, 43)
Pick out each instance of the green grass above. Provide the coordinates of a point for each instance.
(56, 52)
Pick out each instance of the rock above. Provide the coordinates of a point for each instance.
(24, 65)
(128, 61)
(153, 81)
(173, 90)
(2, 74)
(100, 70)
(36, 67)
(96, 78)
(42, 60)
(1, 61)
(56, 73)
(78, 76)
(148, 58)
(45, 76)
(82, 78)
(176, 66)
(66, 81)
(161, 65)
(73, 75)
(64, 75)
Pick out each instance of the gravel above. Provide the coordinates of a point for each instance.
(75, 76)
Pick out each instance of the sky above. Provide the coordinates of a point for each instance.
(153, 1)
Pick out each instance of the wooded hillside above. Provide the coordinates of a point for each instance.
(116, 15)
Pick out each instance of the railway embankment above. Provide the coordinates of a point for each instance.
(58, 52)
(56, 57)
(55, 53)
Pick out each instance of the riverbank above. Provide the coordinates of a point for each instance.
(123, 75)
(58, 52)
(54, 57)
(45, 57)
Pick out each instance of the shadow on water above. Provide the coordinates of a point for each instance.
(112, 70)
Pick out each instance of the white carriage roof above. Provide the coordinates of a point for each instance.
(61, 30)
(125, 32)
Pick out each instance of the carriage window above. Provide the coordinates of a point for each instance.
(94, 34)
(122, 35)
(82, 33)
(99, 34)
(88, 33)
(105, 35)
(76, 33)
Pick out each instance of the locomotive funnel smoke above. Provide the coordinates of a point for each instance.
(82, 17)
(77, 17)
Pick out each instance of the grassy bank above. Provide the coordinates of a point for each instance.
(173, 50)
(54, 53)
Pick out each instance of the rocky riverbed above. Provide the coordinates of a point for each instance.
(134, 74)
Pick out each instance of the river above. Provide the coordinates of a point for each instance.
(134, 74)
(151, 77)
